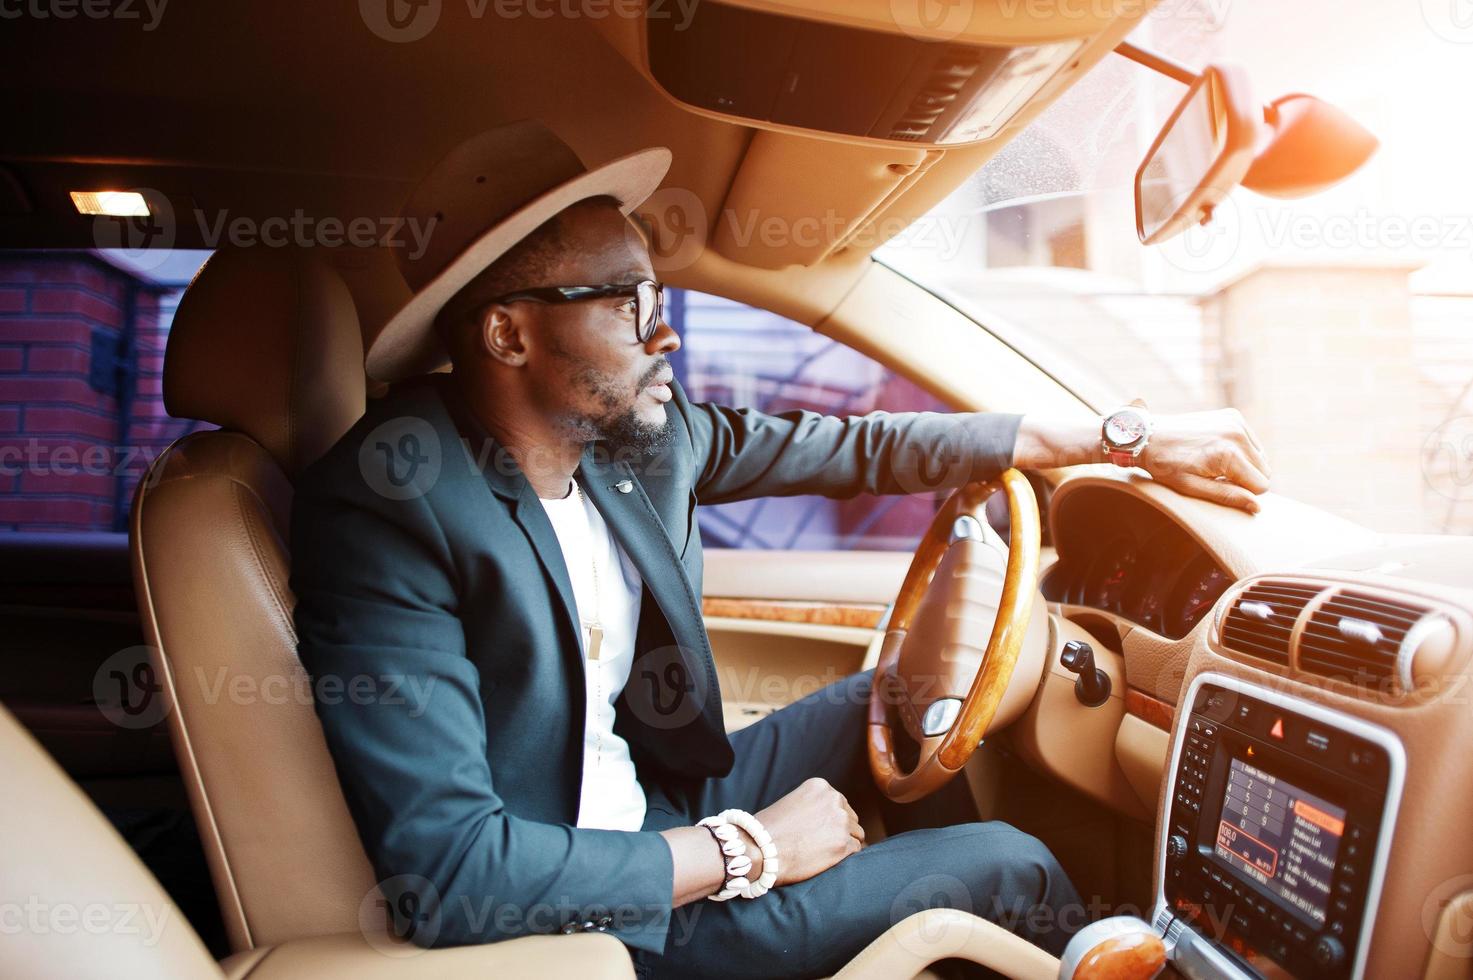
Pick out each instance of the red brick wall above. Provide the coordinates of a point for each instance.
(66, 461)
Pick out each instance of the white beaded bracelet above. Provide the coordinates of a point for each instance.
(723, 826)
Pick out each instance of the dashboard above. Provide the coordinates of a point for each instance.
(1293, 687)
(1120, 555)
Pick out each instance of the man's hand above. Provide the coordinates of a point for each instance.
(814, 828)
(1212, 455)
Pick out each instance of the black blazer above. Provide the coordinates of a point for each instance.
(435, 615)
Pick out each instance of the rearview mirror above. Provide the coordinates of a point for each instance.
(1200, 155)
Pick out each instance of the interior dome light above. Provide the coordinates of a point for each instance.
(114, 204)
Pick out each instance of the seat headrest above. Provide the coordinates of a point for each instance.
(266, 342)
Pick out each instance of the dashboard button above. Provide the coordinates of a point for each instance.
(1328, 952)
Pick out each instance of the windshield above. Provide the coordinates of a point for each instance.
(1341, 325)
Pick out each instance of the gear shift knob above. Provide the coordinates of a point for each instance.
(1122, 947)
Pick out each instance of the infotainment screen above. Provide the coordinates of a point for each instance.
(1280, 836)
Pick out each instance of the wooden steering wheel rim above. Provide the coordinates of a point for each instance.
(942, 756)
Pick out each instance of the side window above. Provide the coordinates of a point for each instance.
(81, 367)
(740, 356)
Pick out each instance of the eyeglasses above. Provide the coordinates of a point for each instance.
(648, 297)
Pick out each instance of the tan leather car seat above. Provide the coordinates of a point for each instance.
(77, 903)
(265, 344)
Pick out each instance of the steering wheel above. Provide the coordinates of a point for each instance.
(922, 673)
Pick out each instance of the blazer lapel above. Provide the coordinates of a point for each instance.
(631, 517)
(531, 516)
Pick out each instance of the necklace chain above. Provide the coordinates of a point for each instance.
(595, 628)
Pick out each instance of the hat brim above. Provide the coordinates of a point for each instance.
(407, 345)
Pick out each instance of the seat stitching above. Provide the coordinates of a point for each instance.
(179, 725)
(256, 966)
(291, 378)
(256, 553)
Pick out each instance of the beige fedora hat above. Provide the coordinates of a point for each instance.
(489, 193)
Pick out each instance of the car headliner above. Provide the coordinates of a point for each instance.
(268, 108)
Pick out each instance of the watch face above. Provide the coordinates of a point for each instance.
(1125, 428)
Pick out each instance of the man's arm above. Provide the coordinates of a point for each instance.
(400, 708)
(745, 453)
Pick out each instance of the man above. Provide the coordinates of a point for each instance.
(513, 547)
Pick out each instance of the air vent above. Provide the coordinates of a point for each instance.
(1262, 618)
(1359, 637)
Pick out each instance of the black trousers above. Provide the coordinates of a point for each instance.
(814, 927)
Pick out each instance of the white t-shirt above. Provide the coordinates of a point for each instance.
(611, 798)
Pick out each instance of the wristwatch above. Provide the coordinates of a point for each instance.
(1125, 433)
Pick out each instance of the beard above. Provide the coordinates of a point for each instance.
(616, 421)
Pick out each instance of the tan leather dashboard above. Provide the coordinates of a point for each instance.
(1284, 534)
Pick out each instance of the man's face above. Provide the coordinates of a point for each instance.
(588, 370)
